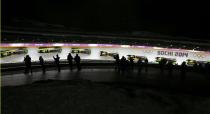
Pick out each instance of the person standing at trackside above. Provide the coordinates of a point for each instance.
(117, 60)
(131, 63)
(27, 60)
(77, 60)
(140, 65)
(162, 64)
(123, 64)
(70, 60)
(183, 70)
(41, 61)
(57, 62)
(146, 65)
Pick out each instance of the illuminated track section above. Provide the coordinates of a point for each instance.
(15, 52)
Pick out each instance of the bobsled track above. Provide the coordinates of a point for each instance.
(95, 49)
(95, 67)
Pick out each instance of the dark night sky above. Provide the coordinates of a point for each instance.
(172, 17)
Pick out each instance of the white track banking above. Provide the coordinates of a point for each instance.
(123, 50)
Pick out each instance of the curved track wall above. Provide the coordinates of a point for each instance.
(123, 50)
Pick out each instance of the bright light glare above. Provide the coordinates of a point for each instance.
(92, 45)
(125, 46)
(157, 48)
(16, 45)
(58, 44)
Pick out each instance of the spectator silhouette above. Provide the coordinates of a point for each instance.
(170, 68)
(117, 62)
(146, 65)
(162, 65)
(127, 66)
(77, 60)
(123, 64)
(183, 70)
(131, 63)
(57, 62)
(140, 65)
(27, 60)
(41, 61)
(70, 60)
